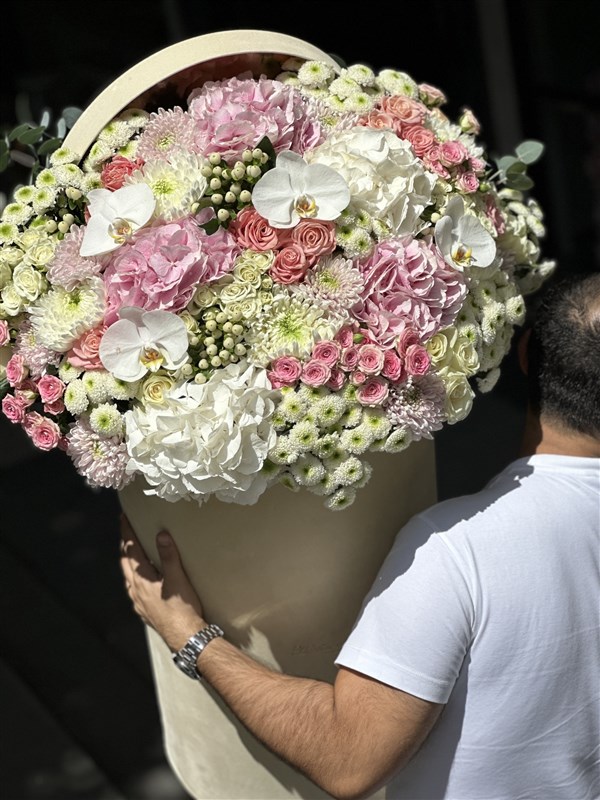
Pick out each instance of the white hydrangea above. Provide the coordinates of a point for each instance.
(207, 439)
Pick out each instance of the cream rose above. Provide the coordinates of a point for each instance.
(384, 177)
(459, 395)
(155, 388)
(11, 301)
(28, 282)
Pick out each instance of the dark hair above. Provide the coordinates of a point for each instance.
(564, 354)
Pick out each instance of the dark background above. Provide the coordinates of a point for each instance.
(79, 718)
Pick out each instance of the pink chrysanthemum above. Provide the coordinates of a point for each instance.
(418, 405)
(165, 133)
(68, 268)
(35, 355)
(101, 460)
(334, 281)
(407, 282)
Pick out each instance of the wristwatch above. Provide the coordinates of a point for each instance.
(185, 658)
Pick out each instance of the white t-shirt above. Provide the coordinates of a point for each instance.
(490, 603)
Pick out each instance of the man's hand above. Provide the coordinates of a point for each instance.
(164, 599)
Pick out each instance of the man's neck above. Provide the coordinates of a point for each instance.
(544, 437)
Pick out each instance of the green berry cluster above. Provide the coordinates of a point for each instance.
(229, 189)
(217, 340)
(69, 210)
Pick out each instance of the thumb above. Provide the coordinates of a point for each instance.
(169, 555)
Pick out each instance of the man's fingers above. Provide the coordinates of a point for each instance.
(169, 555)
(132, 551)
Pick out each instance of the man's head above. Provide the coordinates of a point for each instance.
(563, 355)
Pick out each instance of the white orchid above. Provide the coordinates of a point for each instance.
(143, 341)
(462, 239)
(294, 190)
(115, 217)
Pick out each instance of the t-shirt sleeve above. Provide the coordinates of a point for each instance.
(416, 623)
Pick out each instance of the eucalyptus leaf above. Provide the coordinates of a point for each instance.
(49, 146)
(31, 136)
(520, 182)
(505, 162)
(45, 120)
(20, 129)
(25, 159)
(530, 151)
(71, 114)
(4, 161)
(3, 147)
(518, 168)
(61, 128)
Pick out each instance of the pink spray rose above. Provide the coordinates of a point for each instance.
(85, 352)
(337, 380)
(467, 182)
(315, 373)
(285, 371)
(16, 371)
(13, 408)
(421, 139)
(380, 119)
(290, 265)
(358, 377)
(408, 111)
(4, 332)
(453, 153)
(417, 360)
(349, 358)
(370, 359)
(494, 214)
(50, 388)
(43, 432)
(345, 337)
(393, 366)
(250, 230)
(431, 95)
(315, 237)
(27, 392)
(54, 408)
(327, 352)
(373, 392)
(116, 170)
(161, 268)
(405, 338)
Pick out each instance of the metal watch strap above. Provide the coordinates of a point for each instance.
(186, 658)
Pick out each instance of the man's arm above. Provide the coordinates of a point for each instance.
(348, 738)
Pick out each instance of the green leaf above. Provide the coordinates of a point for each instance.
(20, 129)
(4, 161)
(211, 226)
(520, 182)
(49, 146)
(518, 168)
(266, 145)
(4, 388)
(505, 162)
(3, 146)
(530, 151)
(31, 136)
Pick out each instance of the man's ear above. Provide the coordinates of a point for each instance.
(522, 350)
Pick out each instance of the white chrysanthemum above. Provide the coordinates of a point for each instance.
(327, 445)
(292, 407)
(487, 383)
(17, 213)
(176, 184)
(375, 420)
(100, 152)
(337, 456)
(290, 326)
(304, 435)
(46, 179)
(75, 398)
(136, 118)
(315, 73)
(279, 421)
(515, 310)
(308, 470)
(106, 420)
(287, 479)
(395, 82)
(398, 440)
(354, 240)
(328, 410)
(91, 181)
(349, 471)
(69, 175)
(118, 389)
(209, 439)
(43, 199)
(362, 74)
(359, 102)
(492, 320)
(271, 471)
(9, 232)
(116, 133)
(24, 194)
(357, 440)
(96, 385)
(344, 86)
(285, 451)
(63, 155)
(60, 317)
(352, 416)
(67, 372)
(341, 499)
(326, 486)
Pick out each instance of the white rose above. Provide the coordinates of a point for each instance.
(41, 253)
(384, 176)
(10, 256)
(236, 292)
(11, 301)
(459, 395)
(28, 282)
(206, 439)
(5, 275)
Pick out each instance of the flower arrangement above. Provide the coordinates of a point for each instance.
(264, 286)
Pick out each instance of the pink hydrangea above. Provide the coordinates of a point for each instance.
(233, 115)
(161, 268)
(407, 282)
